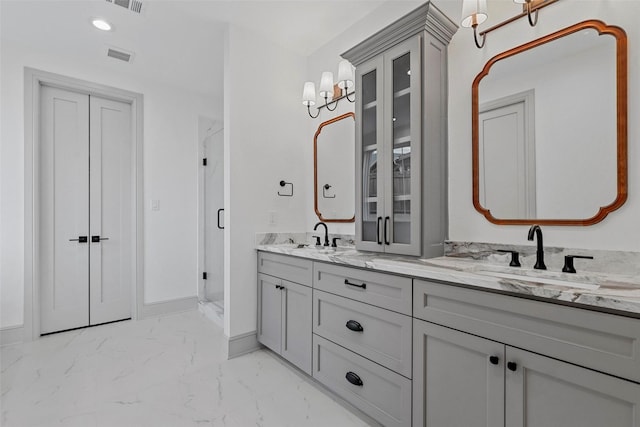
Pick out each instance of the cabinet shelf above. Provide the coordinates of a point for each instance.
(402, 92)
(402, 197)
(402, 141)
(370, 105)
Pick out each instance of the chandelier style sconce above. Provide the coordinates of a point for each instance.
(332, 93)
(474, 13)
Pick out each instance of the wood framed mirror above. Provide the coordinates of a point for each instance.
(333, 173)
(549, 129)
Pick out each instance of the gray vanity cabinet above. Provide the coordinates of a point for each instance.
(284, 308)
(480, 378)
(464, 380)
(362, 339)
(401, 120)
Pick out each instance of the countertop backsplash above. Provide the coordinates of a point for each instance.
(609, 262)
(346, 240)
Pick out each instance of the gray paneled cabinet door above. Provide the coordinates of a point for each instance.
(270, 312)
(284, 319)
(458, 379)
(296, 325)
(544, 392)
(389, 143)
(464, 380)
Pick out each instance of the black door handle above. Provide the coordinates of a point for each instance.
(494, 360)
(354, 379)
(96, 239)
(347, 282)
(80, 239)
(221, 227)
(512, 366)
(386, 234)
(378, 238)
(354, 326)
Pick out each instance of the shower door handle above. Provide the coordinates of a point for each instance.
(221, 227)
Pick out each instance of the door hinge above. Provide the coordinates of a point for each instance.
(204, 162)
(204, 276)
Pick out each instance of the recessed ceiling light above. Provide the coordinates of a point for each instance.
(101, 24)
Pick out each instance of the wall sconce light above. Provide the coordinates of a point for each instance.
(474, 12)
(328, 89)
(529, 6)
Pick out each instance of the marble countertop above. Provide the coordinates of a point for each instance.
(618, 294)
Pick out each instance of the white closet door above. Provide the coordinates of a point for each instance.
(63, 210)
(111, 203)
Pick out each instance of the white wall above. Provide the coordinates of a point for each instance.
(620, 230)
(263, 121)
(170, 173)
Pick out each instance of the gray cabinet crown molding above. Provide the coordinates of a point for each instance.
(425, 18)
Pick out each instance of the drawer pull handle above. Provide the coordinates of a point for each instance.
(512, 366)
(494, 360)
(354, 379)
(354, 326)
(347, 282)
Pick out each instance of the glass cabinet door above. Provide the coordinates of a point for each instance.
(369, 138)
(402, 227)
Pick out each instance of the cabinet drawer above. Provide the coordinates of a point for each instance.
(600, 341)
(384, 290)
(289, 268)
(385, 337)
(383, 394)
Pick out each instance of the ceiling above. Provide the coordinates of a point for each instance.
(176, 41)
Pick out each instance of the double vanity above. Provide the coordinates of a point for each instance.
(454, 341)
(414, 338)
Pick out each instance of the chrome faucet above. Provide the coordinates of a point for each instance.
(326, 232)
(540, 250)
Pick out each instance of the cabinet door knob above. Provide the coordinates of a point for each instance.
(354, 326)
(494, 360)
(512, 366)
(354, 379)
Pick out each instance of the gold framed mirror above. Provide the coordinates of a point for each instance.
(549, 129)
(333, 173)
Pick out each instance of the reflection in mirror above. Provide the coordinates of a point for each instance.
(550, 129)
(334, 177)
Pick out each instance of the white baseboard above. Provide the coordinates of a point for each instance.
(167, 307)
(11, 335)
(242, 344)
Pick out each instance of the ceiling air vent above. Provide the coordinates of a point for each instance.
(132, 5)
(119, 54)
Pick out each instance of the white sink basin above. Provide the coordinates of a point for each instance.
(538, 279)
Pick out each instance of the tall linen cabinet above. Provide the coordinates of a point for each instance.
(401, 135)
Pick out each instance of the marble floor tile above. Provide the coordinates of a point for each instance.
(166, 371)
